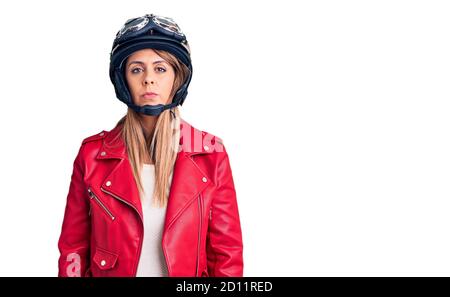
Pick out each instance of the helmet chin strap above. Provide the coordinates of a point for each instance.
(151, 110)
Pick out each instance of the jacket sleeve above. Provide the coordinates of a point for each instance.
(74, 240)
(224, 239)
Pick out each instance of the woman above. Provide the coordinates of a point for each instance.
(154, 196)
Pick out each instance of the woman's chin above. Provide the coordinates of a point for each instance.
(150, 101)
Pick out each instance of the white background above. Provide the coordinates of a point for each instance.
(335, 115)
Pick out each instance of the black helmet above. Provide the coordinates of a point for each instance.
(149, 31)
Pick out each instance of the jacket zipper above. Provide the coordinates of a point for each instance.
(200, 210)
(142, 226)
(108, 212)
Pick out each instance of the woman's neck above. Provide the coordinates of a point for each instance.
(149, 123)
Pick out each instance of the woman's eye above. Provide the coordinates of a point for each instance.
(163, 70)
(133, 70)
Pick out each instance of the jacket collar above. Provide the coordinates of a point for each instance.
(191, 140)
(188, 179)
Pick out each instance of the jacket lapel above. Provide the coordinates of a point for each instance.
(186, 185)
(119, 182)
(188, 179)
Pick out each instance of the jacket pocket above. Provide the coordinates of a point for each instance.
(104, 259)
(101, 204)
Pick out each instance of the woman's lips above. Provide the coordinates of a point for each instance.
(149, 95)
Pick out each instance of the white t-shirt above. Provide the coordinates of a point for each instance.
(152, 261)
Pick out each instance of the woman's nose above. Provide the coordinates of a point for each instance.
(148, 79)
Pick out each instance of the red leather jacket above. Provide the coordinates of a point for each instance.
(102, 230)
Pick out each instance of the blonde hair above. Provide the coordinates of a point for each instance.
(163, 147)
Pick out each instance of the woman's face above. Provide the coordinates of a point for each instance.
(148, 72)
